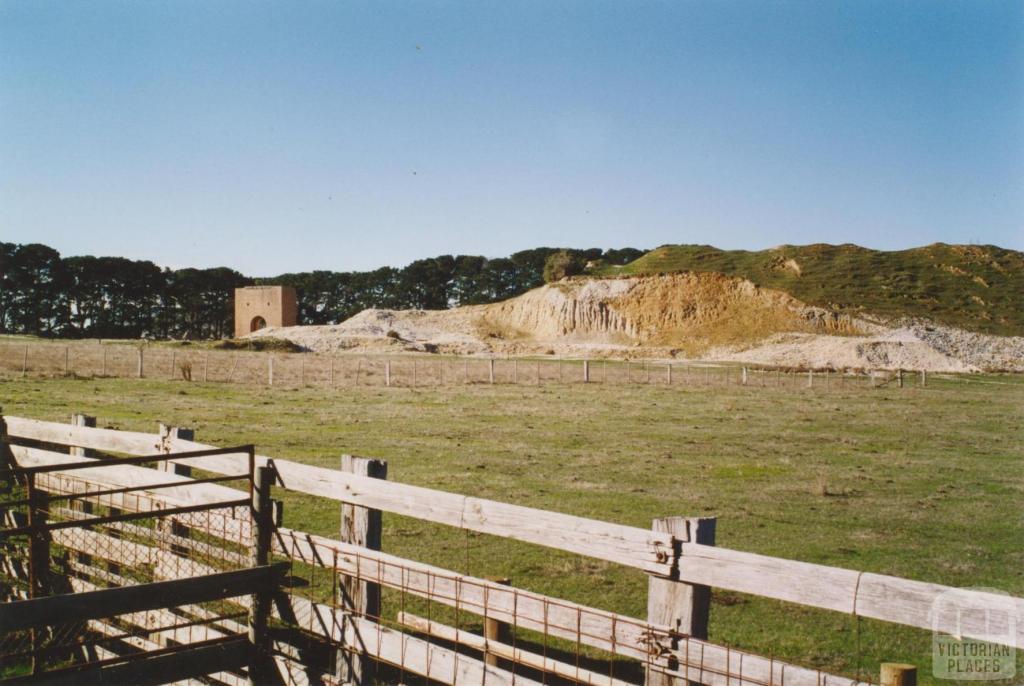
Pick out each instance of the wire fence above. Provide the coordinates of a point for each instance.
(413, 371)
(64, 533)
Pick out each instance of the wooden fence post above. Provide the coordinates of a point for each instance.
(743, 379)
(897, 674)
(387, 372)
(260, 663)
(167, 434)
(924, 378)
(206, 366)
(682, 607)
(270, 369)
(24, 364)
(899, 377)
(81, 420)
(810, 378)
(495, 630)
(359, 526)
(67, 360)
(103, 371)
(490, 370)
(83, 506)
(140, 370)
(668, 374)
(586, 371)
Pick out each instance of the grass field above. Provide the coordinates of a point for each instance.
(924, 483)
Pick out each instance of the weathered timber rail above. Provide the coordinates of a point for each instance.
(330, 626)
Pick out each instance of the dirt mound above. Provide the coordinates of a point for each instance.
(705, 315)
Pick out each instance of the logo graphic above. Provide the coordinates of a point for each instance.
(972, 628)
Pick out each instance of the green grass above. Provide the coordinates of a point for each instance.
(978, 288)
(920, 483)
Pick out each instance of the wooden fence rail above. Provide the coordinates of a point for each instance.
(861, 594)
(673, 556)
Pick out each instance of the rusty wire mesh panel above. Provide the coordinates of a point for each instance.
(83, 553)
(438, 625)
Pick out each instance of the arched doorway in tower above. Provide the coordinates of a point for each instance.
(257, 324)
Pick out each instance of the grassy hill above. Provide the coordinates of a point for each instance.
(974, 287)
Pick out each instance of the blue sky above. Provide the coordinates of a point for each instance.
(275, 137)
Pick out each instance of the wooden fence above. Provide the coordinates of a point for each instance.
(352, 370)
(330, 626)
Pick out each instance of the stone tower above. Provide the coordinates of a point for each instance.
(257, 307)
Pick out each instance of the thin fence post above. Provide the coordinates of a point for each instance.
(684, 608)
(140, 369)
(810, 378)
(259, 611)
(270, 369)
(490, 370)
(387, 373)
(24, 364)
(103, 371)
(359, 526)
(899, 377)
(174, 358)
(67, 360)
(924, 378)
(206, 366)
(586, 371)
(668, 373)
(743, 378)
(495, 630)
(897, 674)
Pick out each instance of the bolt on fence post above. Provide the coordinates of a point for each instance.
(259, 611)
(897, 674)
(685, 608)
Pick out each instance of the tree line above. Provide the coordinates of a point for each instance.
(45, 294)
